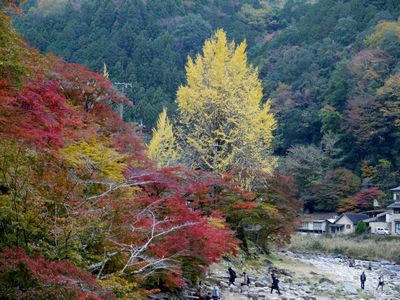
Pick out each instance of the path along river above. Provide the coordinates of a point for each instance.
(314, 276)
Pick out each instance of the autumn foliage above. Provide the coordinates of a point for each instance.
(363, 200)
(25, 277)
(76, 184)
(78, 189)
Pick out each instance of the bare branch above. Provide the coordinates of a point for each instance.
(112, 187)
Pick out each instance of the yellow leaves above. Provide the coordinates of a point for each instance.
(224, 125)
(217, 223)
(391, 87)
(368, 171)
(121, 286)
(96, 157)
(391, 91)
(105, 71)
(162, 147)
(268, 122)
(380, 30)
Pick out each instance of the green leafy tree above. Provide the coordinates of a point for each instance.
(12, 49)
(345, 30)
(361, 227)
(191, 33)
(339, 86)
(335, 186)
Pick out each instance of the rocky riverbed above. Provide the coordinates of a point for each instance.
(307, 276)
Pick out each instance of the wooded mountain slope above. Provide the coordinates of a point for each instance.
(331, 69)
(143, 42)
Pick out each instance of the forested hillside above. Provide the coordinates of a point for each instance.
(330, 68)
(332, 74)
(145, 43)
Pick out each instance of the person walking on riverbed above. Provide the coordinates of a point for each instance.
(215, 293)
(381, 282)
(232, 276)
(363, 278)
(246, 279)
(275, 283)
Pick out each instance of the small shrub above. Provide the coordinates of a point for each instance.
(366, 237)
(317, 245)
(339, 250)
(361, 227)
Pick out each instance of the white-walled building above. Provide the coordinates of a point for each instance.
(316, 223)
(346, 223)
(389, 219)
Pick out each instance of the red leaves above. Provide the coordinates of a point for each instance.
(12, 3)
(26, 277)
(166, 213)
(82, 86)
(245, 205)
(363, 200)
(149, 223)
(35, 114)
(90, 94)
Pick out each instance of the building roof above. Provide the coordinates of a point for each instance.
(372, 211)
(396, 189)
(394, 205)
(375, 219)
(315, 217)
(353, 217)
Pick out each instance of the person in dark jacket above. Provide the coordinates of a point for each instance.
(363, 278)
(381, 282)
(232, 276)
(275, 283)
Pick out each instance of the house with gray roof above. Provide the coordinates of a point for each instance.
(346, 223)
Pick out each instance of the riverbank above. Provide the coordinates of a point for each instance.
(307, 276)
(367, 247)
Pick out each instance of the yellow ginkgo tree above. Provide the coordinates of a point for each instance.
(223, 126)
(162, 147)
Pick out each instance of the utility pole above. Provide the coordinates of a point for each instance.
(123, 85)
(216, 148)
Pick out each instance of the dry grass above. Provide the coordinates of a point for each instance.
(366, 247)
